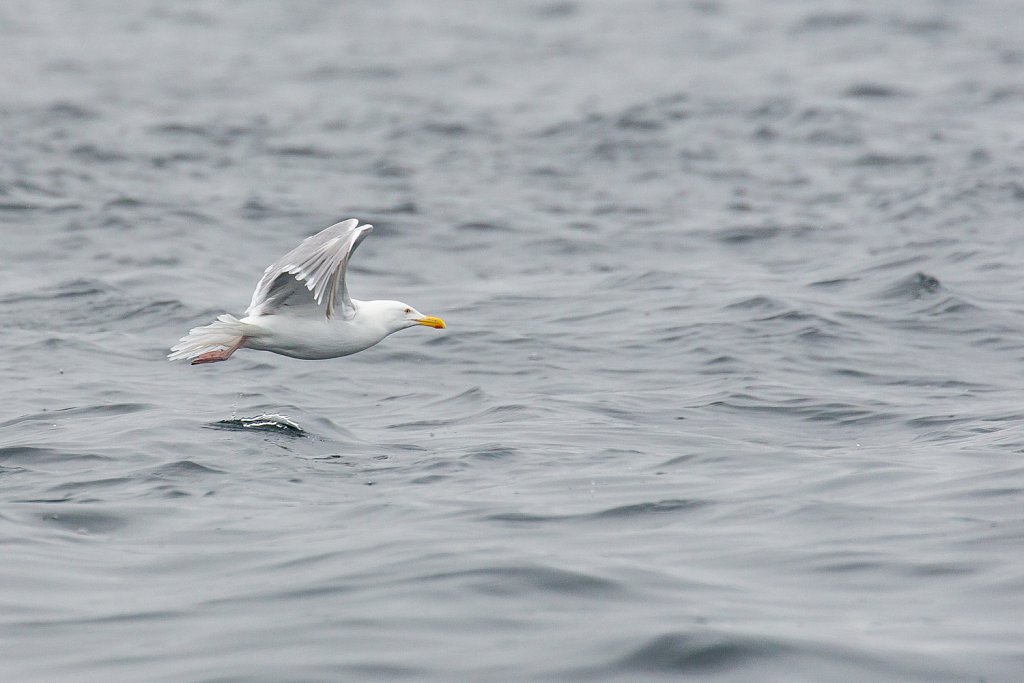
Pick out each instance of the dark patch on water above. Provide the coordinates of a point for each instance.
(38, 455)
(831, 21)
(275, 424)
(513, 580)
(183, 469)
(874, 90)
(916, 286)
(84, 521)
(620, 513)
(686, 654)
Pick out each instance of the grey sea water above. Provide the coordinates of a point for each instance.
(732, 384)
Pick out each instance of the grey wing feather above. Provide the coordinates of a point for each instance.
(312, 274)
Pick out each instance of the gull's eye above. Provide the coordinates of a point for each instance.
(408, 310)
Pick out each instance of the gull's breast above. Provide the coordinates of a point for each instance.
(307, 338)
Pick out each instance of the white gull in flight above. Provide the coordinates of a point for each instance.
(301, 308)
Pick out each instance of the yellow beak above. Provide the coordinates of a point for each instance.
(436, 323)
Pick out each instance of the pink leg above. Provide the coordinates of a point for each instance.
(215, 356)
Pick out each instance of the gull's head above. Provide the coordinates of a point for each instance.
(400, 316)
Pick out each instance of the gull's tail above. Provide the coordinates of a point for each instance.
(213, 342)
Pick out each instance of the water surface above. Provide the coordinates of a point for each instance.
(731, 384)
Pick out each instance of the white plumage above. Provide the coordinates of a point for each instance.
(301, 308)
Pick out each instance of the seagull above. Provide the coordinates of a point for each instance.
(301, 308)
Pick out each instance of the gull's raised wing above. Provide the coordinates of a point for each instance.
(312, 274)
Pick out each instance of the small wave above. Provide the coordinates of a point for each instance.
(639, 118)
(506, 580)
(80, 521)
(24, 205)
(833, 283)
(621, 512)
(472, 396)
(830, 21)
(914, 286)
(745, 234)
(874, 90)
(77, 486)
(557, 10)
(705, 653)
(181, 129)
(266, 422)
(186, 468)
(684, 653)
(124, 202)
(493, 452)
(835, 412)
(90, 153)
(70, 111)
(67, 289)
(300, 150)
(35, 455)
(334, 72)
(483, 226)
(446, 128)
(387, 168)
(511, 412)
(758, 302)
(882, 159)
(921, 25)
(85, 304)
(643, 118)
(211, 133)
(76, 412)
